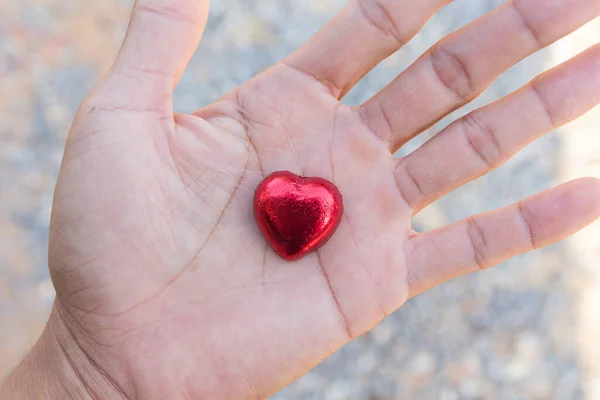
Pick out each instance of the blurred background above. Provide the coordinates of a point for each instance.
(527, 329)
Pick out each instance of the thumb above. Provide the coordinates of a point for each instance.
(161, 38)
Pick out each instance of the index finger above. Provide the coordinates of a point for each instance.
(363, 34)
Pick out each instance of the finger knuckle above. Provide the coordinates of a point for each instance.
(453, 72)
(481, 140)
(378, 14)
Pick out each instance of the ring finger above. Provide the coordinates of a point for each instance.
(488, 137)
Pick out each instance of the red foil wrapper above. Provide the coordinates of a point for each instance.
(297, 215)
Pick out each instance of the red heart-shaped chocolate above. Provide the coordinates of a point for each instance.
(297, 214)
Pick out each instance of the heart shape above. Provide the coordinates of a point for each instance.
(296, 214)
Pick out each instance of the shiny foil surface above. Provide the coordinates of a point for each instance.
(297, 215)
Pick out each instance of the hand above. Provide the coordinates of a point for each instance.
(165, 287)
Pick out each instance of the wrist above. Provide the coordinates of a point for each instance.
(57, 368)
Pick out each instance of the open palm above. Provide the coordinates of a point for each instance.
(162, 276)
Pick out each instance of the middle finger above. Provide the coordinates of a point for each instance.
(461, 66)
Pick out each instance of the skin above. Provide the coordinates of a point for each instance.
(166, 288)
